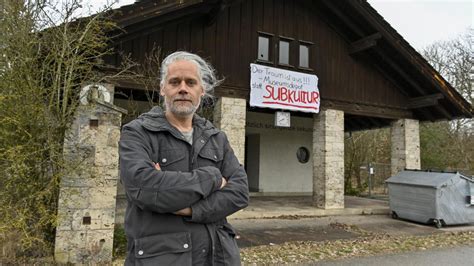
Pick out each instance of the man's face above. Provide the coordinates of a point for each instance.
(182, 89)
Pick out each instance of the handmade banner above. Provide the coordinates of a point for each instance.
(283, 89)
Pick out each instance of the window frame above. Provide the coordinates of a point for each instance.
(290, 42)
(270, 46)
(309, 45)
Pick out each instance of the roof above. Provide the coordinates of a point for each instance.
(425, 179)
(143, 10)
(371, 38)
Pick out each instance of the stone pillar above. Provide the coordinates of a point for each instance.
(405, 136)
(86, 206)
(328, 159)
(229, 116)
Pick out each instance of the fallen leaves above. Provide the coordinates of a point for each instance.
(365, 245)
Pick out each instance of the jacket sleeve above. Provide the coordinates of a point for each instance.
(160, 191)
(232, 197)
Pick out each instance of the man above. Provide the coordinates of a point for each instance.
(180, 175)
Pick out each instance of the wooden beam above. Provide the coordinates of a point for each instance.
(135, 25)
(330, 4)
(364, 43)
(424, 101)
(366, 110)
(389, 77)
(402, 72)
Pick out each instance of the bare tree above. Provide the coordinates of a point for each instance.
(454, 60)
(46, 53)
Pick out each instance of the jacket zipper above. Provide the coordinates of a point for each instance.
(191, 159)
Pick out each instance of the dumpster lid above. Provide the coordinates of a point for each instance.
(424, 178)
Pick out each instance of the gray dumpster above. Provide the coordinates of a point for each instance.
(437, 198)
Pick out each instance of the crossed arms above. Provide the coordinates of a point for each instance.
(203, 193)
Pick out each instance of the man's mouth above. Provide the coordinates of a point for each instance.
(182, 100)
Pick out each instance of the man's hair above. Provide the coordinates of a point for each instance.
(206, 72)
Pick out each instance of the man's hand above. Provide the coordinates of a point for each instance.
(224, 182)
(157, 166)
(185, 212)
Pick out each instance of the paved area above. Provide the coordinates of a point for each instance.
(274, 220)
(254, 232)
(271, 207)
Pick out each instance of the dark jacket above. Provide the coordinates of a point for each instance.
(190, 176)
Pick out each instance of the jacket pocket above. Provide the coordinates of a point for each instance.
(164, 249)
(228, 252)
(210, 157)
(170, 159)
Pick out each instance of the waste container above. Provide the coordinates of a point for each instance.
(438, 198)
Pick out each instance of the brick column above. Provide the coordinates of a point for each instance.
(229, 116)
(328, 159)
(86, 206)
(405, 134)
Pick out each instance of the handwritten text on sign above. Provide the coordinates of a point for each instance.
(282, 89)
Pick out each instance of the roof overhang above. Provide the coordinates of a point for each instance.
(372, 39)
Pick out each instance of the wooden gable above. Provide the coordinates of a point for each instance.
(364, 66)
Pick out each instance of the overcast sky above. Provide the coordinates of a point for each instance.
(420, 22)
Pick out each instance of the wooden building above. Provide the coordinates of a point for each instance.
(368, 77)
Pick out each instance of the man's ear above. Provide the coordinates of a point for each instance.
(161, 91)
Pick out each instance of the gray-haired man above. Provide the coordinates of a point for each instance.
(180, 175)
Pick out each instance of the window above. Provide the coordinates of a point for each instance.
(304, 56)
(264, 48)
(284, 51)
(303, 155)
(284, 54)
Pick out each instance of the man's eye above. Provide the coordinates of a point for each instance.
(174, 82)
(191, 82)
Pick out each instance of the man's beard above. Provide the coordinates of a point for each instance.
(181, 109)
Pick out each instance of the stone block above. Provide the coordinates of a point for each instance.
(64, 219)
(102, 197)
(73, 197)
(98, 219)
(106, 155)
(84, 247)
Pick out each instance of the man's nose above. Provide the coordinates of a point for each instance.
(183, 88)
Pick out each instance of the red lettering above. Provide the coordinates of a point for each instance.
(291, 95)
(315, 96)
(270, 91)
(284, 95)
(288, 96)
(297, 96)
(304, 95)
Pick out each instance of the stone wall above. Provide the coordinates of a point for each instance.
(229, 116)
(86, 207)
(405, 150)
(328, 159)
